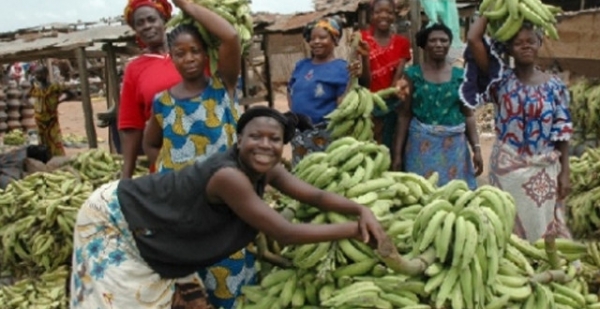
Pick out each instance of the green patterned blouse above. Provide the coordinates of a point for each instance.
(436, 103)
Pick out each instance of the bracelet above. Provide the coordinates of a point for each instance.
(477, 146)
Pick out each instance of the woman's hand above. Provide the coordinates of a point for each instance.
(355, 68)
(564, 185)
(403, 89)
(363, 49)
(368, 227)
(477, 161)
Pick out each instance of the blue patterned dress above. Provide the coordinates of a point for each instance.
(193, 130)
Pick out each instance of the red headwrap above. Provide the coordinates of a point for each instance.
(162, 6)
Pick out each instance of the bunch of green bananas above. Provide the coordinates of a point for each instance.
(37, 216)
(458, 246)
(289, 288)
(99, 167)
(236, 12)
(48, 292)
(585, 108)
(352, 117)
(507, 16)
(73, 140)
(359, 171)
(583, 203)
(586, 252)
(15, 137)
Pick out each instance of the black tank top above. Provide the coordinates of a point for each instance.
(176, 229)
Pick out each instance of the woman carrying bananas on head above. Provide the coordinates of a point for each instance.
(319, 83)
(138, 243)
(435, 127)
(533, 126)
(388, 53)
(195, 119)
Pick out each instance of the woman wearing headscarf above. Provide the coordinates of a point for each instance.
(530, 158)
(47, 97)
(319, 83)
(145, 75)
(138, 242)
(435, 127)
(388, 54)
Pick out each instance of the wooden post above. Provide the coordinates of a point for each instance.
(109, 99)
(582, 7)
(362, 17)
(48, 65)
(86, 100)
(112, 89)
(415, 26)
(245, 74)
(267, 70)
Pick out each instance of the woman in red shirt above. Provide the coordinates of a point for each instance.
(145, 75)
(389, 52)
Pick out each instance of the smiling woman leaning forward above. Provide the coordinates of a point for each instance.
(139, 240)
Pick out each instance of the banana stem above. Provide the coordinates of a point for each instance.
(274, 259)
(356, 37)
(392, 259)
(558, 276)
(551, 251)
(261, 244)
(384, 93)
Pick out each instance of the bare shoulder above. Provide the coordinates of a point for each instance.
(230, 174)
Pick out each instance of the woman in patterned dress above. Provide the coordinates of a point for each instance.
(47, 97)
(435, 127)
(319, 83)
(388, 54)
(533, 127)
(195, 119)
(138, 242)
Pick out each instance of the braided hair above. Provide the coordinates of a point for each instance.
(185, 29)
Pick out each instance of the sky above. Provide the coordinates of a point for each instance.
(28, 13)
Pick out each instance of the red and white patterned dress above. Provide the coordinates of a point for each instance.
(524, 161)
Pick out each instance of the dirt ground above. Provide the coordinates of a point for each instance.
(72, 122)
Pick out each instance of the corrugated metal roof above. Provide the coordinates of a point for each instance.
(69, 40)
(292, 22)
(265, 17)
(296, 21)
(322, 5)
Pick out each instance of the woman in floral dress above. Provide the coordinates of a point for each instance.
(533, 127)
(435, 126)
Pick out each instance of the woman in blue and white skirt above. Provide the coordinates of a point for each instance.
(138, 242)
